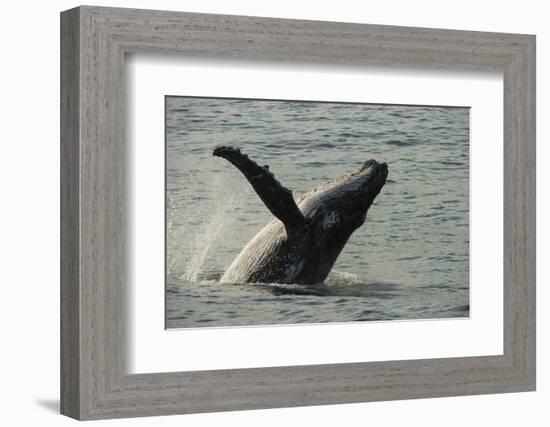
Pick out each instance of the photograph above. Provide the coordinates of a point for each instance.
(292, 212)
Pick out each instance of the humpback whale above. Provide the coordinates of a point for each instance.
(302, 243)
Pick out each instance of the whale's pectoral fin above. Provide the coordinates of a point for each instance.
(275, 196)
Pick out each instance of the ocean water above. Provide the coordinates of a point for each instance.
(410, 260)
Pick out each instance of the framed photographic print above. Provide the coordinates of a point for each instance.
(337, 212)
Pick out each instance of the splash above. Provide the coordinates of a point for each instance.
(343, 278)
(209, 234)
(204, 230)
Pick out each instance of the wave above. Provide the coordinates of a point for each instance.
(341, 284)
(338, 283)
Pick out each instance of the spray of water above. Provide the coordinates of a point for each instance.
(209, 233)
(205, 234)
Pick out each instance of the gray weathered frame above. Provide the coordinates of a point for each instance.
(94, 41)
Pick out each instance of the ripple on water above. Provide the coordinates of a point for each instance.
(409, 260)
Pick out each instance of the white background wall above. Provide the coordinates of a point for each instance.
(29, 225)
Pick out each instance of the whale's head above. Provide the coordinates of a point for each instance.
(339, 207)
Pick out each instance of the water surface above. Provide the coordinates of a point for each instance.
(410, 260)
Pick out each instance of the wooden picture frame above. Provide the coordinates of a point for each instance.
(94, 382)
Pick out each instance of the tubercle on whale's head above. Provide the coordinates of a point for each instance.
(372, 176)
